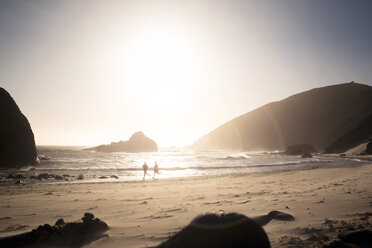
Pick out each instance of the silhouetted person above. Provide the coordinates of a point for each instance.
(145, 168)
(156, 169)
(220, 231)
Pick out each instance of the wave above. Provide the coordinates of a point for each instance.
(233, 158)
(202, 168)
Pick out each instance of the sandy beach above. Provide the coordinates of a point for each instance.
(144, 213)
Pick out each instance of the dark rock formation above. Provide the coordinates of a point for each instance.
(318, 117)
(358, 238)
(43, 176)
(360, 134)
(138, 142)
(219, 231)
(71, 234)
(306, 155)
(277, 215)
(369, 148)
(352, 239)
(17, 144)
(300, 149)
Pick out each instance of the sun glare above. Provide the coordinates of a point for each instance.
(160, 66)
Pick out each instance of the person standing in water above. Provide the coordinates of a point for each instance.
(145, 167)
(156, 169)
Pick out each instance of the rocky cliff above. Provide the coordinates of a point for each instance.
(17, 144)
(319, 117)
(360, 134)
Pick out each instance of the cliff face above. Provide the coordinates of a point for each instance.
(317, 117)
(360, 134)
(138, 142)
(17, 144)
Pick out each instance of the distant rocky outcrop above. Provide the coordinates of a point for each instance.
(319, 117)
(302, 149)
(138, 142)
(17, 144)
(360, 134)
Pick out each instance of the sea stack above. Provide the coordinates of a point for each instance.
(138, 142)
(17, 144)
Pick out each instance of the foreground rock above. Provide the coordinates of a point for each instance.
(273, 215)
(71, 234)
(300, 149)
(17, 144)
(138, 142)
(225, 230)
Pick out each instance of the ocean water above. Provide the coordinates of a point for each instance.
(72, 162)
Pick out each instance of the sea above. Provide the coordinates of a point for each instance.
(75, 164)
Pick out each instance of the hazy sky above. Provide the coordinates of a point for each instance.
(92, 72)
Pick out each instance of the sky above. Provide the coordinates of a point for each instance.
(90, 72)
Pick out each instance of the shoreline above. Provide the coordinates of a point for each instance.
(109, 179)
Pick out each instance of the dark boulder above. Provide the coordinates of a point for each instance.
(17, 144)
(58, 177)
(361, 238)
(138, 142)
(300, 149)
(369, 148)
(71, 234)
(219, 231)
(273, 215)
(60, 222)
(19, 182)
(19, 176)
(43, 176)
(306, 155)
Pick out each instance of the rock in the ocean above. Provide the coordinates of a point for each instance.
(300, 149)
(19, 182)
(225, 230)
(306, 155)
(17, 144)
(138, 142)
(43, 176)
(58, 177)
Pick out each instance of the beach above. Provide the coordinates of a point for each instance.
(144, 213)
